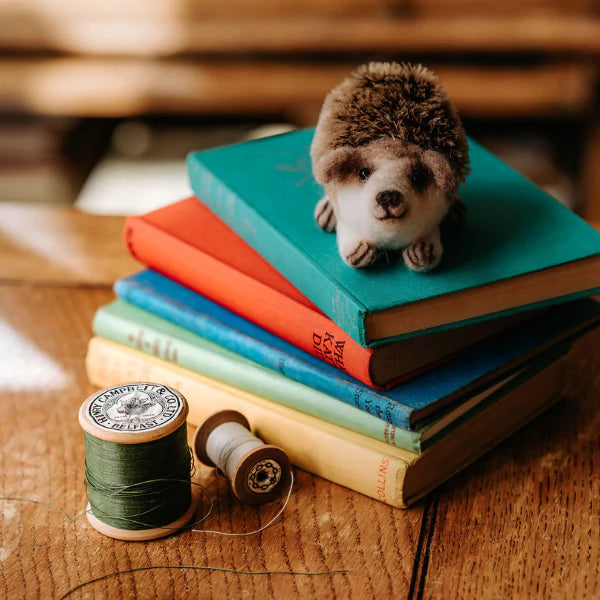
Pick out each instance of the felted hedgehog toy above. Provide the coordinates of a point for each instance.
(390, 150)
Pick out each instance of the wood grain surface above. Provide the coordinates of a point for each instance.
(60, 245)
(523, 522)
(42, 457)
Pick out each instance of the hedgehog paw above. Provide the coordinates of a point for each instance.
(324, 215)
(422, 256)
(361, 256)
(457, 212)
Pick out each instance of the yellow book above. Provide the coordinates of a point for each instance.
(387, 473)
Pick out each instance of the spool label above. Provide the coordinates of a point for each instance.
(135, 408)
(264, 476)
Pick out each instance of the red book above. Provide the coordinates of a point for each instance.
(189, 244)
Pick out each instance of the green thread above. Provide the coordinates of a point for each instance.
(46, 504)
(204, 568)
(191, 567)
(79, 515)
(150, 480)
(139, 486)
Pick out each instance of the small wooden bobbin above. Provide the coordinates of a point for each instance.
(262, 475)
(135, 413)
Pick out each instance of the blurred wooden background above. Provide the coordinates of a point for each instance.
(524, 74)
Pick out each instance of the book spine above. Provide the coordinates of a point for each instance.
(254, 345)
(337, 303)
(302, 325)
(331, 452)
(130, 326)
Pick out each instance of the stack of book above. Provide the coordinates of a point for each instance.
(385, 381)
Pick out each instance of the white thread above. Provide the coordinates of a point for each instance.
(279, 513)
(228, 443)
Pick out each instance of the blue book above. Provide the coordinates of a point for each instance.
(404, 406)
(518, 247)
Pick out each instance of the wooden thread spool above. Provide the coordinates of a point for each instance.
(144, 415)
(258, 472)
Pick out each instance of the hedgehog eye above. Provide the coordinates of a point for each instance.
(420, 177)
(364, 173)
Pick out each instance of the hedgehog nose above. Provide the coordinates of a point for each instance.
(389, 198)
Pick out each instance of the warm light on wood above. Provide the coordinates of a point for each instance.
(61, 245)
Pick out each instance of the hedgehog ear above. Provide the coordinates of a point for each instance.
(442, 173)
(337, 164)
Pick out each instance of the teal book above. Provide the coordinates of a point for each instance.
(518, 248)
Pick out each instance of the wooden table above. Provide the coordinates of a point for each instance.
(523, 522)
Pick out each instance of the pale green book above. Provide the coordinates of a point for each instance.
(130, 326)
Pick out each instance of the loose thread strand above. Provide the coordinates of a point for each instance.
(46, 504)
(130, 518)
(74, 518)
(204, 568)
(189, 526)
(245, 533)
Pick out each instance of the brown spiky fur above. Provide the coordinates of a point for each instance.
(403, 102)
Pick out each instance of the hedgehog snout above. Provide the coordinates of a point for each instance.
(390, 204)
(389, 198)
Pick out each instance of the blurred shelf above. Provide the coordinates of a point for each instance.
(591, 172)
(515, 59)
(173, 31)
(47, 159)
(120, 87)
(161, 9)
